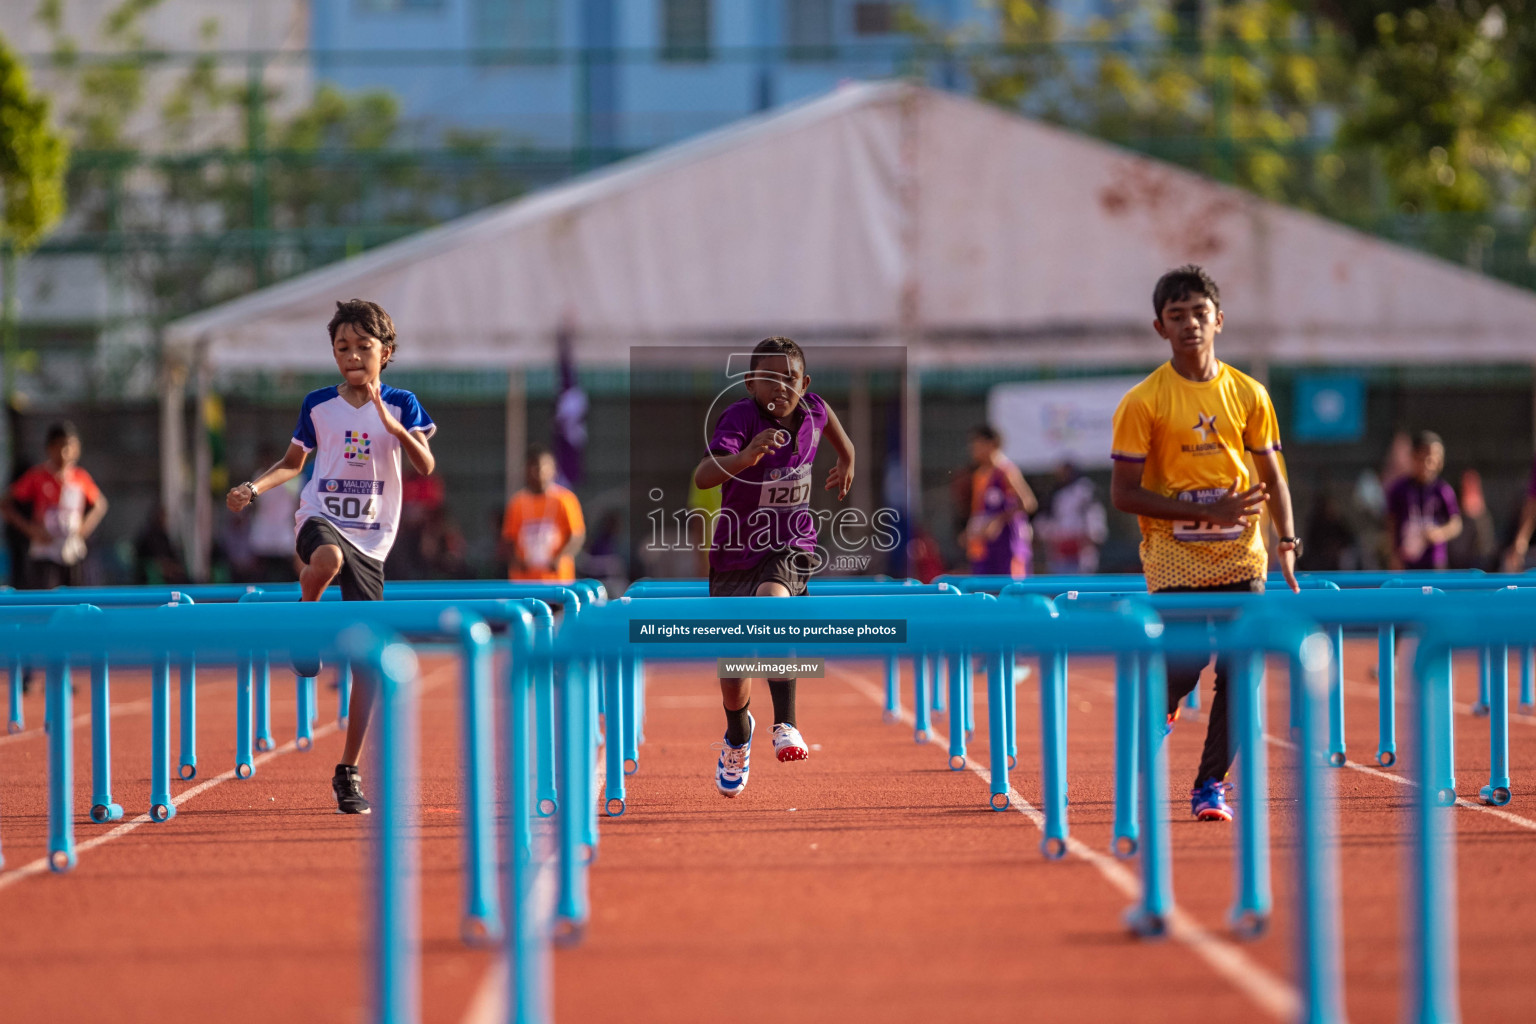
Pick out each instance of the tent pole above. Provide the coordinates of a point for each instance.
(202, 481)
(173, 382)
(517, 428)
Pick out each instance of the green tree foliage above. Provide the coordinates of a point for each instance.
(1411, 105)
(32, 159)
(1447, 96)
(204, 194)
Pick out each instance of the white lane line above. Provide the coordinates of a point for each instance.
(1365, 769)
(133, 707)
(489, 1003)
(40, 865)
(1272, 994)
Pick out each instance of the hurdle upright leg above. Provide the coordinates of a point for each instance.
(968, 685)
(103, 808)
(245, 758)
(613, 750)
(303, 731)
(1336, 748)
(482, 922)
(631, 695)
(263, 669)
(1245, 694)
(1386, 695)
(526, 955)
(1317, 882)
(999, 681)
(187, 671)
(892, 689)
(1011, 707)
(591, 736)
(1497, 790)
(1479, 707)
(572, 906)
(1527, 680)
(547, 799)
(956, 713)
(1432, 954)
(922, 726)
(1053, 752)
(1149, 918)
(17, 720)
(161, 808)
(1127, 705)
(939, 666)
(61, 770)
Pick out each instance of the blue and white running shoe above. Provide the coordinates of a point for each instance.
(735, 763)
(1209, 802)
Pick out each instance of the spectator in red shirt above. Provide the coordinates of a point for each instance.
(67, 506)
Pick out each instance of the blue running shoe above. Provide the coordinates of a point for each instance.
(735, 763)
(1209, 802)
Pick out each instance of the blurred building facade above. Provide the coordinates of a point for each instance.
(611, 76)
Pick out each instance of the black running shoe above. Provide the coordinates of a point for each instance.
(347, 784)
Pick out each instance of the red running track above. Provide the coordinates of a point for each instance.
(866, 883)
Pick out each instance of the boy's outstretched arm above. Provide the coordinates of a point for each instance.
(1280, 512)
(279, 473)
(841, 475)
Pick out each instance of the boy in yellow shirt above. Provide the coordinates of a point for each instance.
(1196, 457)
(543, 526)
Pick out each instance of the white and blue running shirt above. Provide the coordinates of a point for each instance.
(356, 481)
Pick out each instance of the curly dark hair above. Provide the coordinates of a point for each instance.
(368, 318)
(1178, 285)
(777, 346)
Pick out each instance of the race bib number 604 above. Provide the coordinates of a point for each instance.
(1199, 530)
(352, 503)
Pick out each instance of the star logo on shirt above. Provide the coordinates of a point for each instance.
(1206, 426)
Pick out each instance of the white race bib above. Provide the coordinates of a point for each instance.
(352, 504)
(790, 490)
(1200, 531)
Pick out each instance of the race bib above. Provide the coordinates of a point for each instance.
(791, 489)
(1200, 531)
(352, 504)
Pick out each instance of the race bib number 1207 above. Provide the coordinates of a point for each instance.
(792, 490)
(1199, 530)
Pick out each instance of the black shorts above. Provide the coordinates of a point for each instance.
(361, 577)
(791, 567)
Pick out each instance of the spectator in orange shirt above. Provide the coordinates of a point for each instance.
(67, 506)
(543, 527)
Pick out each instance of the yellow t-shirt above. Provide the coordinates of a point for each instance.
(1193, 438)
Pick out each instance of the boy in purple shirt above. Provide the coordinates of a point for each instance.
(1422, 514)
(765, 535)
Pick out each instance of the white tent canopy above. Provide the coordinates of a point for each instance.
(887, 213)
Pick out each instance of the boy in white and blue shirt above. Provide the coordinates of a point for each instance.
(349, 511)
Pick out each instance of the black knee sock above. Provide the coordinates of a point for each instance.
(783, 691)
(736, 725)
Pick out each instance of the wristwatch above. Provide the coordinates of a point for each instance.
(1295, 543)
(250, 487)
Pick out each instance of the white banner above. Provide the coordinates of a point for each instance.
(1046, 423)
